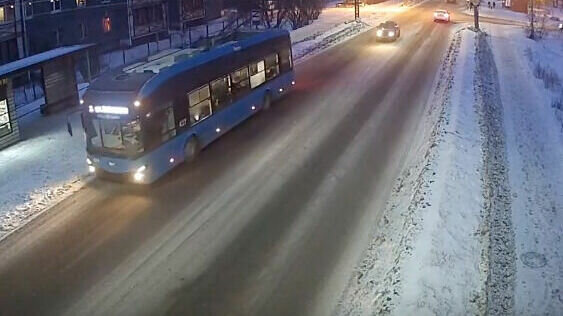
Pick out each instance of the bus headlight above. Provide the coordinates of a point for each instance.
(139, 175)
(379, 33)
(391, 34)
(88, 161)
(91, 169)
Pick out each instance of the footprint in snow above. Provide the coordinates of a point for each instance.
(534, 259)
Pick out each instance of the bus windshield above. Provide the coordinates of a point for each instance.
(114, 135)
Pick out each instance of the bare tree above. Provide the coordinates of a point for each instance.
(537, 19)
(275, 12)
(301, 12)
(531, 17)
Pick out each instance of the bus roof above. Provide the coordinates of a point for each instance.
(148, 76)
(203, 58)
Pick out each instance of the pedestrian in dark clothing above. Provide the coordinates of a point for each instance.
(489, 4)
(494, 4)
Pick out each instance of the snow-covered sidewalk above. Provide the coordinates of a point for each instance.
(534, 142)
(41, 170)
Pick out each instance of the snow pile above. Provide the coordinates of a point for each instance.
(534, 146)
(498, 234)
(322, 40)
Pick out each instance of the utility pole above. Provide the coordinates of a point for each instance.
(532, 31)
(476, 12)
(357, 10)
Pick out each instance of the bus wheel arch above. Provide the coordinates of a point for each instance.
(191, 149)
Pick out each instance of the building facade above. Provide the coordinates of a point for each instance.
(185, 13)
(28, 27)
(53, 23)
(10, 32)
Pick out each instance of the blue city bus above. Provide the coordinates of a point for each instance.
(145, 119)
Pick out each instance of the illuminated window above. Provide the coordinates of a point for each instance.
(285, 60)
(220, 92)
(5, 127)
(29, 9)
(272, 66)
(80, 3)
(257, 74)
(240, 82)
(55, 5)
(106, 24)
(200, 104)
(6, 13)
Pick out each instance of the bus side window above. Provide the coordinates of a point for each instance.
(272, 66)
(286, 62)
(220, 93)
(240, 82)
(200, 104)
(168, 129)
(257, 74)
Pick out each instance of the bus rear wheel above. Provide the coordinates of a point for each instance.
(267, 101)
(191, 150)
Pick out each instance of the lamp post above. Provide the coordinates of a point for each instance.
(476, 12)
(357, 10)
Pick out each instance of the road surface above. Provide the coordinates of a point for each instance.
(270, 220)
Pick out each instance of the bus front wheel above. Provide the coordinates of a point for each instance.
(191, 150)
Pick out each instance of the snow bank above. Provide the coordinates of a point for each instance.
(498, 230)
(320, 41)
(448, 242)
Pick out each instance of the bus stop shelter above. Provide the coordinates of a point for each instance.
(58, 77)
